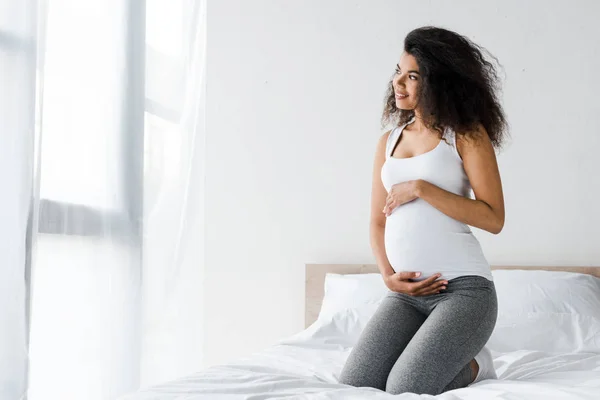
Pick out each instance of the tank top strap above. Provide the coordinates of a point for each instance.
(449, 135)
(450, 138)
(391, 140)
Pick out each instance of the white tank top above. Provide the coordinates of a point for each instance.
(419, 237)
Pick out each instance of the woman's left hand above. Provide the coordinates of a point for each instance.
(399, 194)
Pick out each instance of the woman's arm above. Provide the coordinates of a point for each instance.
(479, 161)
(377, 222)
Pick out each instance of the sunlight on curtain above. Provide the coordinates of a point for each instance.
(18, 47)
(117, 279)
(173, 249)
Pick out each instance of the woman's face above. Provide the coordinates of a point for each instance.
(406, 82)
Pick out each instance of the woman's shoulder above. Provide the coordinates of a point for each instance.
(474, 135)
(386, 135)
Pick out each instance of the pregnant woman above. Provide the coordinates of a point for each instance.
(428, 334)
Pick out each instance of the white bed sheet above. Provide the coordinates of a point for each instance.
(307, 366)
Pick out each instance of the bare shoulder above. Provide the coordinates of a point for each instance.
(383, 138)
(476, 140)
(381, 144)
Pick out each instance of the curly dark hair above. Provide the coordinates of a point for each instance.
(458, 88)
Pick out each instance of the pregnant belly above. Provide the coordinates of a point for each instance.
(418, 237)
(419, 215)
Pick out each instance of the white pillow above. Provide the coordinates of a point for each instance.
(521, 291)
(348, 304)
(552, 311)
(351, 291)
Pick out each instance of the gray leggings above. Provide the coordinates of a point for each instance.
(424, 344)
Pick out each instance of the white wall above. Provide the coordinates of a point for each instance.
(295, 90)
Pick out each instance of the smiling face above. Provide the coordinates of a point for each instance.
(406, 82)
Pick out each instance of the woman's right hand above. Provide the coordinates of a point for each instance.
(399, 282)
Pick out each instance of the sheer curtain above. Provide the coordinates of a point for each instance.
(111, 181)
(18, 48)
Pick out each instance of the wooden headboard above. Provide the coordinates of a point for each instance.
(315, 279)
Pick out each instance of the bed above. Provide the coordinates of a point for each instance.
(546, 344)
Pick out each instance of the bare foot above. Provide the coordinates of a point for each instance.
(474, 369)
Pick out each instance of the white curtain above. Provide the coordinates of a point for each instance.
(114, 171)
(18, 47)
